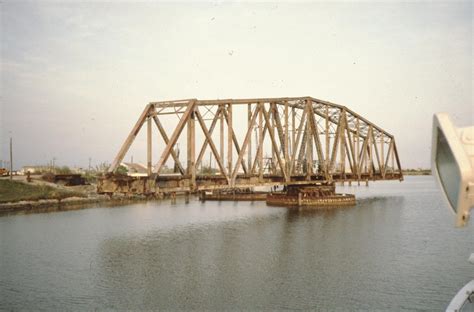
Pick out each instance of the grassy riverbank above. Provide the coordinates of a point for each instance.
(14, 191)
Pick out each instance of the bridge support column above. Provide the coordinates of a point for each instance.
(249, 148)
(186, 198)
(173, 197)
(229, 139)
(260, 141)
(191, 170)
(149, 145)
(202, 196)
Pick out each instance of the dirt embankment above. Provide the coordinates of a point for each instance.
(38, 195)
(20, 196)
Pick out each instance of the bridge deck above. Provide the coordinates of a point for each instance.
(174, 183)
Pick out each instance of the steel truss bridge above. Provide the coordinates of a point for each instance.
(243, 143)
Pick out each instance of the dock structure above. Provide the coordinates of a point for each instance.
(245, 143)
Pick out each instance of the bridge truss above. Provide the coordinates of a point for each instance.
(256, 142)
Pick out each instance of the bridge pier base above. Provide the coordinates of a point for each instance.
(202, 196)
(186, 198)
(317, 196)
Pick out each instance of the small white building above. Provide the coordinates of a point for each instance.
(135, 169)
(33, 169)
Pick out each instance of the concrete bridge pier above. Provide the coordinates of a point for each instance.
(186, 198)
(317, 195)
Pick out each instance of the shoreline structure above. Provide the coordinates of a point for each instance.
(90, 199)
(70, 203)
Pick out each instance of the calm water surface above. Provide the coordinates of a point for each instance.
(396, 250)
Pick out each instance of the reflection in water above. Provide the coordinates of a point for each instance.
(393, 251)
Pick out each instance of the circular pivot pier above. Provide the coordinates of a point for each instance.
(313, 196)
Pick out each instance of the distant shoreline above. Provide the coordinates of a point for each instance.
(91, 199)
(416, 172)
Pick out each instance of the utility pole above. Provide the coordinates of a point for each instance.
(11, 158)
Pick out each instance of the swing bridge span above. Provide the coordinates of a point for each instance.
(244, 143)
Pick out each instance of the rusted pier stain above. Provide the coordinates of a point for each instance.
(315, 196)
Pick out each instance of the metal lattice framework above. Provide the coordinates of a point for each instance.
(304, 140)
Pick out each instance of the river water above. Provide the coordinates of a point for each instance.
(396, 250)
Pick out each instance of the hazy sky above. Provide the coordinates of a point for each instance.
(75, 77)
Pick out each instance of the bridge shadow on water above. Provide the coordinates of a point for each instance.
(271, 260)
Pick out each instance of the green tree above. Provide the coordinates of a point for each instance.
(122, 170)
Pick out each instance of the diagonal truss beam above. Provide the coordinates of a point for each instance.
(131, 137)
(339, 129)
(211, 130)
(259, 148)
(212, 145)
(236, 143)
(166, 139)
(244, 147)
(176, 133)
(272, 137)
(314, 130)
(297, 142)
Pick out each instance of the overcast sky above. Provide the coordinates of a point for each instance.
(75, 77)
